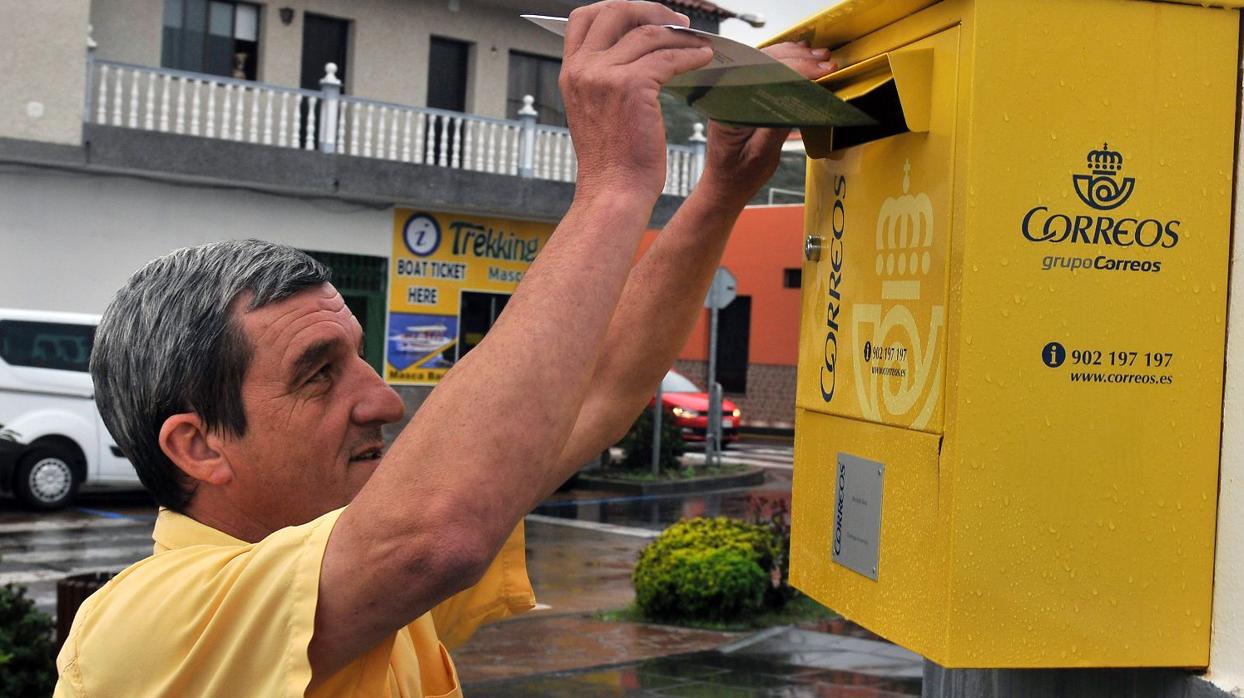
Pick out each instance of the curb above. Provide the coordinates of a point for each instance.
(753, 476)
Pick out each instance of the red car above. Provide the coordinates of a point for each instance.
(688, 406)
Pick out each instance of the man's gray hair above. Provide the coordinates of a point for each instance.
(169, 343)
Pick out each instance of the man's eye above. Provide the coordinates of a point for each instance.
(323, 374)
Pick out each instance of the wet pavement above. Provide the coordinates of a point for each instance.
(104, 532)
(779, 663)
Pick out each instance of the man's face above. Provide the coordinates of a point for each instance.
(314, 409)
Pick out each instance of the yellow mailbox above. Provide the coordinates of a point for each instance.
(1011, 358)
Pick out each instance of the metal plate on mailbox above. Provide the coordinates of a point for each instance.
(857, 514)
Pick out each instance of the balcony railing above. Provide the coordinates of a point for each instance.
(210, 106)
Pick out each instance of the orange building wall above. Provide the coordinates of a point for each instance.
(766, 240)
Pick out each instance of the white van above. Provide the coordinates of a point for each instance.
(52, 439)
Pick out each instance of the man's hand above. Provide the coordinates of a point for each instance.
(617, 57)
(740, 160)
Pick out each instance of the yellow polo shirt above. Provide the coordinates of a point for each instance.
(210, 615)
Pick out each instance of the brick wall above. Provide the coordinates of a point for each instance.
(770, 397)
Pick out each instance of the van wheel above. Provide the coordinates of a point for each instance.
(46, 479)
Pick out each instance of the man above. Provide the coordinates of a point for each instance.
(294, 556)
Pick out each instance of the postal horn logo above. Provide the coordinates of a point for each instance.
(1101, 188)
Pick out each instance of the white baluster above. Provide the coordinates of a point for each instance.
(393, 134)
(490, 154)
(297, 127)
(341, 124)
(282, 132)
(511, 151)
(355, 130)
(443, 141)
(133, 120)
(468, 143)
(179, 124)
(194, 109)
(555, 172)
(118, 95)
(503, 149)
(226, 111)
(380, 117)
(239, 114)
(101, 115)
(478, 134)
(267, 118)
(458, 142)
(367, 130)
(312, 106)
(254, 129)
(543, 156)
(149, 115)
(406, 141)
(568, 163)
(430, 156)
(211, 109)
(421, 122)
(164, 87)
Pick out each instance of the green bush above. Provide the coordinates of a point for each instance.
(27, 664)
(637, 444)
(705, 569)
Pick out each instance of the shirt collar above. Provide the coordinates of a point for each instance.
(173, 531)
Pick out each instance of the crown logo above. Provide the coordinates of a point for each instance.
(1100, 188)
(904, 238)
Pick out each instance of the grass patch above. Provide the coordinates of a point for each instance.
(801, 611)
(688, 473)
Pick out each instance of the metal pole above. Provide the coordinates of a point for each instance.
(714, 411)
(656, 432)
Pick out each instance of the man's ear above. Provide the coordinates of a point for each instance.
(186, 441)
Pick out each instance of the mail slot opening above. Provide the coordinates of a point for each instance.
(892, 88)
(881, 104)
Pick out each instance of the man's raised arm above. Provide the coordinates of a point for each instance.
(475, 458)
(665, 291)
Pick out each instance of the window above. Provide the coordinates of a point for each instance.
(447, 74)
(536, 76)
(211, 36)
(792, 278)
(46, 344)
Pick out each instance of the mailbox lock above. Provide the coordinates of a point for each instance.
(812, 248)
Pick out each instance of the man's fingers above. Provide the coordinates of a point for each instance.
(812, 63)
(648, 38)
(580, 20)
(811, 68)
(618, 17)
(665, 63)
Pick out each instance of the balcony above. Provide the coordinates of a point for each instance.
(167, 101)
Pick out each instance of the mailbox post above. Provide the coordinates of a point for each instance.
(1010, 371)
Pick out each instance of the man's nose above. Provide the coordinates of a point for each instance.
(379, 403)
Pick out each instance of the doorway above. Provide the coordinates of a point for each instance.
(324, 40)
(478, 313)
